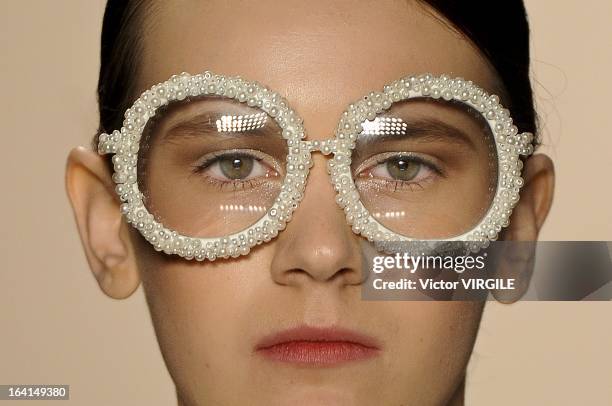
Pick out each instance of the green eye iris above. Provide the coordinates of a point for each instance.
(236, 167)
(403, 168)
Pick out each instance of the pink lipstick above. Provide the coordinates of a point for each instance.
(317, 346)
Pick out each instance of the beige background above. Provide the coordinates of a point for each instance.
(57, 327)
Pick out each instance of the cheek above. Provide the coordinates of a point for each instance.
(432, 343)
(199, 311)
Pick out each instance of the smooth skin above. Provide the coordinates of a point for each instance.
(321, 56)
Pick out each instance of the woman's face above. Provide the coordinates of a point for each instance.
(213, 318)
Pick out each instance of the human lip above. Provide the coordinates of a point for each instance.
(314, 346)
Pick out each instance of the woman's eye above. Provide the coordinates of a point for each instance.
(237, 167)
(402, 169)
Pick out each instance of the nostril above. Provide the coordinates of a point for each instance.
(349, 276)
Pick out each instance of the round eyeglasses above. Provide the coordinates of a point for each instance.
(208, 166)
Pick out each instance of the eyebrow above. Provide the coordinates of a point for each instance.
(392, 128)
(229, 125)
(395, 128)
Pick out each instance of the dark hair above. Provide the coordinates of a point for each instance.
(120, 52)
(500, 31)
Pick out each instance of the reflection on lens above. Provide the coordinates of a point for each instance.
(211, 166)
(426, 168)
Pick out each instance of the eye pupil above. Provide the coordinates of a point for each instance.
(402, 165)
(403, 168)
(236, 167)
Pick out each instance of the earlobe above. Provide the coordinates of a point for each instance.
(104, 234)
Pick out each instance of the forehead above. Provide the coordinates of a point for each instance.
(319, 54)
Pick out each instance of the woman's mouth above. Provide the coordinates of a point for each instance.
(314, 346)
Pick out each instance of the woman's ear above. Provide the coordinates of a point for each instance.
(104, 234)
(517, 259)
(536, 198)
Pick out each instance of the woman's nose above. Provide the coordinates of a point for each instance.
(318, 245)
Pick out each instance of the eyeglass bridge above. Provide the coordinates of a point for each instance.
(326, 147)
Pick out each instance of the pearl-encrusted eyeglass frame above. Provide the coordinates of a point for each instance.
(124, 144)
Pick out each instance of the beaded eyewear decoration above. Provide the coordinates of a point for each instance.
(361, 119)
